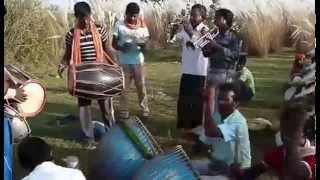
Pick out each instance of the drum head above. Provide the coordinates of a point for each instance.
(35, 100)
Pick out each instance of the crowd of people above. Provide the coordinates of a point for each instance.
(214, 82)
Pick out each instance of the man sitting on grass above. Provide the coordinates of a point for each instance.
(35, 155)
(227, 133)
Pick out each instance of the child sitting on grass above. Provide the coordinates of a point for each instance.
(245, 80)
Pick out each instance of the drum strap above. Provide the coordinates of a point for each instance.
(101, 56)
(136, 141)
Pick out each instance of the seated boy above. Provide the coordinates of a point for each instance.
(245, 80)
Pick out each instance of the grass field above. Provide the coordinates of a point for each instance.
(163, 74)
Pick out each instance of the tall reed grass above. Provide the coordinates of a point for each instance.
(33, 35)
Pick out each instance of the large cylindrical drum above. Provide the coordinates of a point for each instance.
(123, 149)
(93, 80)
(173, 165)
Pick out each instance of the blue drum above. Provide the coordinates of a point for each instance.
(174, 165)
(123, 149)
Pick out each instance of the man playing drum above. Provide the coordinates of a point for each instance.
(90, 34)
(17, 94)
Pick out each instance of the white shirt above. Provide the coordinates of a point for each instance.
(50, 171)
(193, 61)
(133, 36)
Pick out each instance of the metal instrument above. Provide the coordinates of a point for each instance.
(205, 39)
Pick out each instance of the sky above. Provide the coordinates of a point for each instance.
(65, 4)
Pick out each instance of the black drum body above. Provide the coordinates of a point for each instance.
(95, 80)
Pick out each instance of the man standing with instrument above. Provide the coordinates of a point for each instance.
(223, 52)
(83, 44)
(129, 38)
(194, 72)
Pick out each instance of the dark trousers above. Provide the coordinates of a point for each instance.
(190, 102)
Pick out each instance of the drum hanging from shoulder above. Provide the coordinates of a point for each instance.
(36, 96)
(123, 149)
(93, 80)
(19, 126)
(173, 165)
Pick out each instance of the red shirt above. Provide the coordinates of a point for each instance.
(276, 157)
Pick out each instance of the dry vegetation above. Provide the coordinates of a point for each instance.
(32, 35)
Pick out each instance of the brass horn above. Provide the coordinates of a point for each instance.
(205, 39)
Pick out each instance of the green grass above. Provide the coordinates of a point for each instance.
(163, 74)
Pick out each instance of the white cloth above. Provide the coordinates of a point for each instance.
(50, 171)
(193, 61)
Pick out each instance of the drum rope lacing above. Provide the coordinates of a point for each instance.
(136, 141)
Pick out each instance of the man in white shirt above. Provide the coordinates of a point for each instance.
(35, 155)
(194, 72)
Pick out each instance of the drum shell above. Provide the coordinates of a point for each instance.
(117, 155)
(95, 80)
(19, 126)
(37, 110)
(173, 165)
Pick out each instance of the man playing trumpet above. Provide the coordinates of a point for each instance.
(193, 74)
(223, 52)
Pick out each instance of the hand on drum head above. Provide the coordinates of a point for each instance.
(20, 95)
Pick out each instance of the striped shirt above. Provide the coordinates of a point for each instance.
(88, 51)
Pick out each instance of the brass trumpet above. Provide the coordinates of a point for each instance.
(205, 39)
